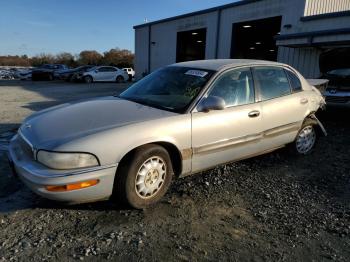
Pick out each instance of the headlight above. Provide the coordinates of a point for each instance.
(57, 160)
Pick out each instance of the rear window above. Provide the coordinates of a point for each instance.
(294, 81)
(272, 82)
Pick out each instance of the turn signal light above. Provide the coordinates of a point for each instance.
(71, 187)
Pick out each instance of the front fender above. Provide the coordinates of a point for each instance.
(110, 146)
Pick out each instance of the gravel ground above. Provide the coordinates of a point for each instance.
(275, 207)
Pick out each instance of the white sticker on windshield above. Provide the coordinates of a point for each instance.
(196, 73)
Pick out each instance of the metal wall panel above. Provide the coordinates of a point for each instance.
(318, 7)
(305, 60)
(141, 51)
(164, 37)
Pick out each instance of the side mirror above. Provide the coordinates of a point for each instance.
(96, 71)
(211, 103)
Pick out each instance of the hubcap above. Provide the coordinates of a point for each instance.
(150, 177)
(305, 140)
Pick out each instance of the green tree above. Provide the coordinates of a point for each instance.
(42, 59)
(90, 57)
(118, 57)
(66, 59)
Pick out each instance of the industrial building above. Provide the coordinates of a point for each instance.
(311, 35)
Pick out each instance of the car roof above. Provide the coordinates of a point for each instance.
(219, 64)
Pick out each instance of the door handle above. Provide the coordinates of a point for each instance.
(304, 101)
(254, 113)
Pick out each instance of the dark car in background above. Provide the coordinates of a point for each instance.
(338, 90)
(335, 66)
(72, 74)
(48, 72)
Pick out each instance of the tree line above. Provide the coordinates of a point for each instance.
(115, 57)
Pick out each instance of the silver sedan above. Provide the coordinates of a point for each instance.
(179, 120)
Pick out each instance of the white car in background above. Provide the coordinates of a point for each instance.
(104, 74)
(130, 72)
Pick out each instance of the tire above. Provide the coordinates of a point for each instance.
(50, 77)
(306, 138)
(119, 79)
(88, 79)
(69, 78)
(140, 181)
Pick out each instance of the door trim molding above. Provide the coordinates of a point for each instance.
(244, 140)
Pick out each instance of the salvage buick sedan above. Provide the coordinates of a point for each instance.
(177, 121)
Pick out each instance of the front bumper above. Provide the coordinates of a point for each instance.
(37, 177)
(337, 98)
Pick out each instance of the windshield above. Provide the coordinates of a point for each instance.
(340, 72)
(171, 88)
(46, 66)
(92, 68)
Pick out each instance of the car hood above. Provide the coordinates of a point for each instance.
(54, 126)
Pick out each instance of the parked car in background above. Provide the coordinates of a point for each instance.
(72, 74)
(130, 72)
(177, 121)
(7, 74)
(48, 72)
(338, 90)
(24, 74)
(104, 74)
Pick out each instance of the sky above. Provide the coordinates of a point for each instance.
(32, 27)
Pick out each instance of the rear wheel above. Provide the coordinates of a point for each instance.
(70, 78)
(145, 177)
(305, 140)
(88, 79)
(119, 79)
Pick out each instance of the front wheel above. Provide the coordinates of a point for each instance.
(88, 79)
(145, 177)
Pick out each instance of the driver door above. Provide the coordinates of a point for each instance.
(221, 136)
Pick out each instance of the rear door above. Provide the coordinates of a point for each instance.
(101, 73)
(111, 74)
(283, 107)
(221, 136)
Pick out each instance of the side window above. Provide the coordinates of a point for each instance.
(294, 81)
(235, 87)
(272, 81)
(103, 69)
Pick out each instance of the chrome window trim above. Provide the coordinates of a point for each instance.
(193, 107)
